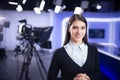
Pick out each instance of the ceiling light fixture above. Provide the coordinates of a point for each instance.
(78, 10)
(58, 7)
(19, 8)
(42, 4)
(37, 10)
(39, 6)
(13, 2)
(24, 1)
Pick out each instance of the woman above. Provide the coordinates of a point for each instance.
(77, 60)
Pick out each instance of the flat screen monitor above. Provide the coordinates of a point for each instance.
(42, 33)
(96, 33)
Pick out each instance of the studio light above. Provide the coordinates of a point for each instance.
(39, 6)
(37, 10)
(57, 9)
(18, 3)
(24, 1)
(98, 6)
(58, 6)
(42, 4)
(13, 2)
(19, 8)
(78, 10)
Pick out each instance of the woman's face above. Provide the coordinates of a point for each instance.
(77, 31)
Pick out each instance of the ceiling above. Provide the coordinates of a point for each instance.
(5, 6)
(70, 5)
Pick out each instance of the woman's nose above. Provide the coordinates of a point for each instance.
(79, 30)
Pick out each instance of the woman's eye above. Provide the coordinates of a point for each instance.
(83, 27)
(74, 27)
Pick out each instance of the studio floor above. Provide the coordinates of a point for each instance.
(11, 66)
(15, 67)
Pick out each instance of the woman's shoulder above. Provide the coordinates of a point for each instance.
(90, 46)
(59, 50)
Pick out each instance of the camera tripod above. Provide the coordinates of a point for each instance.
(28, 52)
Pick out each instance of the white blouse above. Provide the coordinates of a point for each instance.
(78, 53)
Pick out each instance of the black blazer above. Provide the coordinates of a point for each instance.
(69, 69)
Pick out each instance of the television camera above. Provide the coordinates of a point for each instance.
(39, 35)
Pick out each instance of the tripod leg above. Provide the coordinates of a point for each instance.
(40, 60)
(17, 50)
(25, 68)
(26, 46)
(16, 54)
(39, 67)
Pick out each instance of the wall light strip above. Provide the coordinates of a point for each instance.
(2, 18)
(103, 19)
(109, 54)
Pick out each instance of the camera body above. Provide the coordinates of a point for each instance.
(39, 35)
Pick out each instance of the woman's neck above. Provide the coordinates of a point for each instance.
(76, 43)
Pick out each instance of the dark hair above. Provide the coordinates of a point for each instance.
(71, 20)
